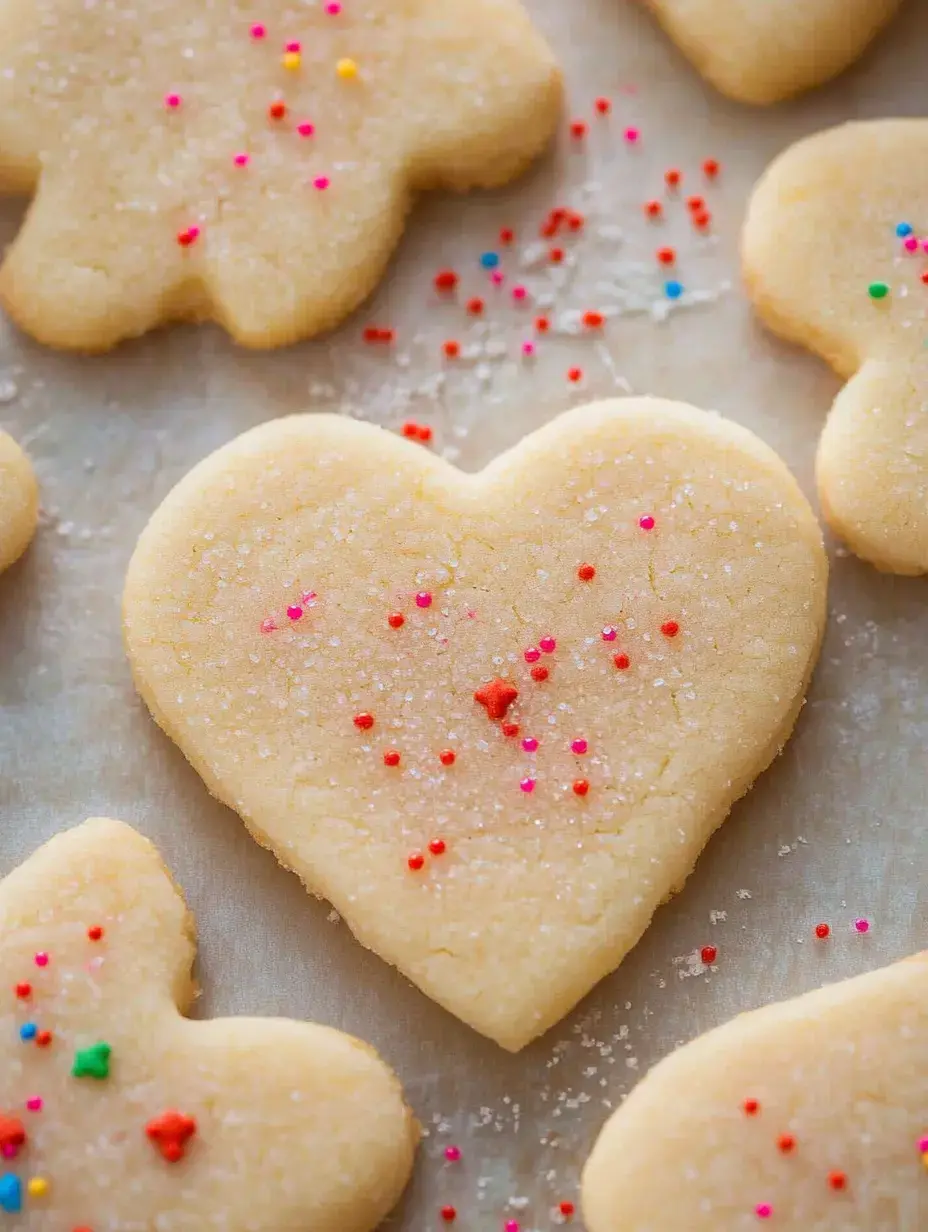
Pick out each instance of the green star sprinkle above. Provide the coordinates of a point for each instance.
(878, 290)
(92, 1062)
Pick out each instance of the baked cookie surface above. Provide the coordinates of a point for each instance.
(492, 718)
(19, 501)
(248, 165)
(117, 1112)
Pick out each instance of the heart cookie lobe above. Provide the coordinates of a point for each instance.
(810, 1113)
(641, 583)
(835, 253)
(132, 1115)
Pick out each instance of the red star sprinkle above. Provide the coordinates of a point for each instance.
(170, 1133)
(497, 695)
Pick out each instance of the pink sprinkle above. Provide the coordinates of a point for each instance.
(579, 747)
(631, 135)
(763, 1210)
(510, 1226)
(452, 1153)
(910, 243)
(41, 959)
(34, 1103)
(172, 101)
(268, 626)
(862, 926)
(609, 633)
(241, 160)
(527, 785)
(294, 612)
(258, 31)
(923, 1145)
(519, 292)
(925, 245)
(548, 644)
(293, 46)
(321, 182)
(646, 522)
(8, 1150)
(532, 655)
(528, 348)
(530, 744)
(423, 599)
(333, 9)
(497, 278)
(306, 129)
(193, 232)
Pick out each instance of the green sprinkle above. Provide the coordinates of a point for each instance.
(878, 290)
(92, 1062)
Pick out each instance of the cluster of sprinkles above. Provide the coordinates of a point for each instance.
(909, 245)
(169, 1131)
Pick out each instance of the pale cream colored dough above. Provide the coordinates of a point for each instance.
(19, 501)
(537, 895)
(820, 229)
(298, 1128)
(452, 94)
(843, 1072)
(762, 51)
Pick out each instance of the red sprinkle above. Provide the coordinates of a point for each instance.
(447, 757)
(695, 204)
(653, 209)
(416, 861)
(670, 628)
(23, 991)
(497, 696)
(452, 348)
(837, 1180)
(511, 729)
(391, 758)
(506, 235)
(449, 1214)
(785, 1143)
(621, 661)
(603, 106)
(446, 280)
(708, 954)
(581, 787)
(586, 573)
(575, 221)
(539, 674)
(556, 255)
(566, 1209)
(578, 129)
(43, 1039)
(542, 325)
(364, 721)
(666, 256)
(710, 168)
(277, 110)
(170, 1132)
(925, 276)
(396, 620)
(672, 177)
(822, 931)
(475, 306)
(574, 375)
(751, 1107)
(702, 219)
(95, 932)
(437, 846)
(593, 320)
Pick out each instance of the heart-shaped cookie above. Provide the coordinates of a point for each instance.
(118, 1112)
(835, 247)
(493, 718)
(810, 1114)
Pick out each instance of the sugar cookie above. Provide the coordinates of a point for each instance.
(493, 718)
(834, 256)
(117, 1112)
(251, 164)
(761, 51)
(812, 1114)
(19, 501)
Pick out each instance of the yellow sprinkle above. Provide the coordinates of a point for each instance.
(38, 1187)
(346, 68)
(925, 1159)
(291, 59)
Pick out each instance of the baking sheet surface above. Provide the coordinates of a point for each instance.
(835, 830)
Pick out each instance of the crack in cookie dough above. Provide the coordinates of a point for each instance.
(811, 1113)
(835, 253)
(249, 165)
(762, 51)
(601, 721)
(117, 1111)
(19, 502)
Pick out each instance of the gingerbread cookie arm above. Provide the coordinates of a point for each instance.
(19, 501)
(833, 259)
(189, 1120)
(810, 1114)
(762, 51)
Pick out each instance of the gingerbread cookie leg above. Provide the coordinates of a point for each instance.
(19, 501)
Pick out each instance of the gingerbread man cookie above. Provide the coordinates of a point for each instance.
(761, 51)
(835, 248)
(248, 164)
(118, 1112)
(19, 501)
(810, 1114)
(493, 718)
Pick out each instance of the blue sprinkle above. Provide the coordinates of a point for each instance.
(11, 1193)
(489, 260)
(28, 1031)
(673, 289)
(903, 229)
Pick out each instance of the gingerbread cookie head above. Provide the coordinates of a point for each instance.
(19, 501)
(493, 718)
(253, 165)
(116, 1111)
(807, 1114)
(836, 258)
(762, 51)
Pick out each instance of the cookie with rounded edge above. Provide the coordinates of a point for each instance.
(492, 718)
(834, 253)
(118, 1111)
(811, 1113)
(253, 166)
(762, 51)
(19, 501)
